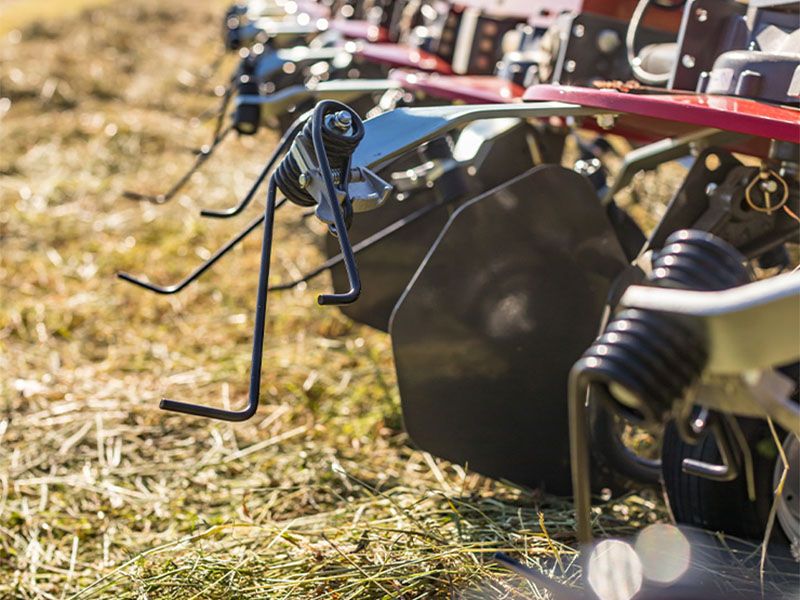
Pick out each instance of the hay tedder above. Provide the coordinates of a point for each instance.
(471, 189)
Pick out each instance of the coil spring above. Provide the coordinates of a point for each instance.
(339, 147)
(646, 360)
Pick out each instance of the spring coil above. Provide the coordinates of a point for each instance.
(644, 360)
(339, 147)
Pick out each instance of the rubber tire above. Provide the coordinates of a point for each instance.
(617, 465)
(714, 505)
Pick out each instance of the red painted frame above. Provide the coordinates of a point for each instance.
(360, 30)
(659, 18)
(397, 55)
(471, 89)
(667, 115)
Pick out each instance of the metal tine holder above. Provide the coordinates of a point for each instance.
(317, 173)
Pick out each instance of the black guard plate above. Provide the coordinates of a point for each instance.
(508, 298)
(387, 267)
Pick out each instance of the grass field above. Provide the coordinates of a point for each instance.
(102, 494)
(20, 13)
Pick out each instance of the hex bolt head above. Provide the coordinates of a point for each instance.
(303, 180)
(342, 120)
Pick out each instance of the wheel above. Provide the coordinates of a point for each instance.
(725, 506)
(622, 465)
(788, 508)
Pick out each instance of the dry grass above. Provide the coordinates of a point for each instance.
(100, 493)
(18, 13)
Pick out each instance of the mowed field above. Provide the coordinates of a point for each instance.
(102, 494)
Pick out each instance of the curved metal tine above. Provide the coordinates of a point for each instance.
(341, 228)
(728, 470)
(219, 111)
(258, 335)
(211, 69)
(244, 202)
(362, 245)
(283, 145)
(194, 275)
(226, 100)
(204, 155)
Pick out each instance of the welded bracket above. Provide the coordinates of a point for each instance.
(469, 151)
(364, 189)
(652, 155)
(755, 393)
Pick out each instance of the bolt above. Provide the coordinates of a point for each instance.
(605, 121)
(711, 188)
(303, 180)
(688, 61)
(342, 120)
(702, 15)
(608, 41)
(770, 185)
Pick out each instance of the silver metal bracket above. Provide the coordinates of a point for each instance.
(392, 134)
(756, 393)
(367, 191)
(364, 188)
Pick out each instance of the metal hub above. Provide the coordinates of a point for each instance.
(788, 503)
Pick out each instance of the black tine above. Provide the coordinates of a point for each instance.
(177, 287)
(362, 245)
(258, 334)
(204, 155)
(283, 145)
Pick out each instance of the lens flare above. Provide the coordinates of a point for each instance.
(665, 553)
(614, 571)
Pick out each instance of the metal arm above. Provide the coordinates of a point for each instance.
(749, 327)
(394, 133)
(753, 326)
(344, 90)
